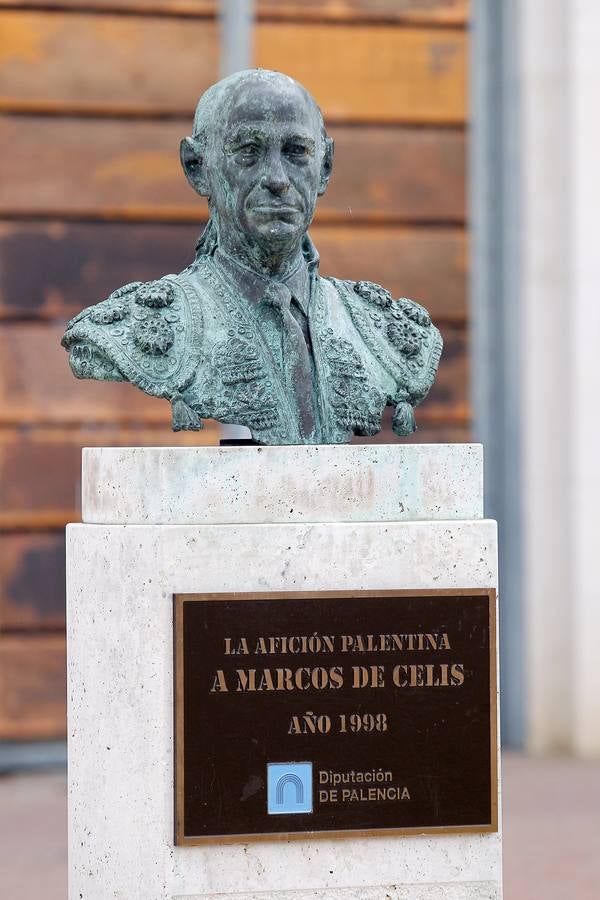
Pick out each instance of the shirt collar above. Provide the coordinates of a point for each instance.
(253, 286)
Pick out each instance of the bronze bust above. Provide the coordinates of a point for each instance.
(251, 333)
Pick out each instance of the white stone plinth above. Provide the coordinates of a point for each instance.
(122, 573)
(320, 483)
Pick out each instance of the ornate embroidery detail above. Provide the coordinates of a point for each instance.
(248, 404)
(403, 421)
(343, 359)
(368, 290)
(357, 404)
(255, 407)
(404, 336)
(153, 335)
(155, 294)
(237, 360)
(414, 311)
(112, 310)
(87, 362)
(409, 331)
(126, 289)
(184, 418)
(142, 344)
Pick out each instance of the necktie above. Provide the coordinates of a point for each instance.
(296, 357)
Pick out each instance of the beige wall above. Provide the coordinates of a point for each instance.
(559, 78)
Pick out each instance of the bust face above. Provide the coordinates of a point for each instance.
(266, 163)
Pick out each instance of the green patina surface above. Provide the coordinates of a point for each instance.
(251, 333)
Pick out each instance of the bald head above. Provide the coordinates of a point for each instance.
(253, 87)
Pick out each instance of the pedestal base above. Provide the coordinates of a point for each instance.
(121, 581)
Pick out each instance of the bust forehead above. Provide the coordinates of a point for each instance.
(273, 100)
(256, 96)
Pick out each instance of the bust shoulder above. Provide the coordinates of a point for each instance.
(377, 296)
(401, 336)
(119, 306)
(147, 333)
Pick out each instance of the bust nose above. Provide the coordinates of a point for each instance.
(275, 178)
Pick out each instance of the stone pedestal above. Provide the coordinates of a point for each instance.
(164, 521)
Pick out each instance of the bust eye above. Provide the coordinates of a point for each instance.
(296, 150)
(248, 151)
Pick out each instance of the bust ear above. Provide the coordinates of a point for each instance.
(191, 154)
(326, 165)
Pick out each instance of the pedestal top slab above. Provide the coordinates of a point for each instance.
(245, 485)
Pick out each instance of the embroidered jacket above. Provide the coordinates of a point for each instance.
(190, 339)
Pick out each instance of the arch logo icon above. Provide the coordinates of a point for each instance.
(289, 788)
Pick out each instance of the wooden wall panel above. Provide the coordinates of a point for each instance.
(423, 12)
(447, 402)
(40, 479)
(55, 61)
(426, 264)
(77, 264)
(118, 169)
(372, 74)
(396, 175)
(32, 686)
(92, 196)
(196, 8)
(32, 582)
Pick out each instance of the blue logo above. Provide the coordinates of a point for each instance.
(289, 788)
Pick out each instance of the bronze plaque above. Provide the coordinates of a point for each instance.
(333, 713)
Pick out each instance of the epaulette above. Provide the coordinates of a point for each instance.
(150, 332)
(400, 334)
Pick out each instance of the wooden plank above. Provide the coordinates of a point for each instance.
(197, 8)
(426, 264)
(32, 687)
(81, 263)
(40, 468)
(426, 12)
(61, 61)
(396, 175)
(37, 387)
(372, 73)
(130, 170)
(95, 169)
(105, 63)
(32, 582)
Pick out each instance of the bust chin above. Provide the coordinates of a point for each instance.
(252, 333)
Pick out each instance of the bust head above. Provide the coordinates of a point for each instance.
(260, 154)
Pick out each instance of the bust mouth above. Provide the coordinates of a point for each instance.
(275, 208)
